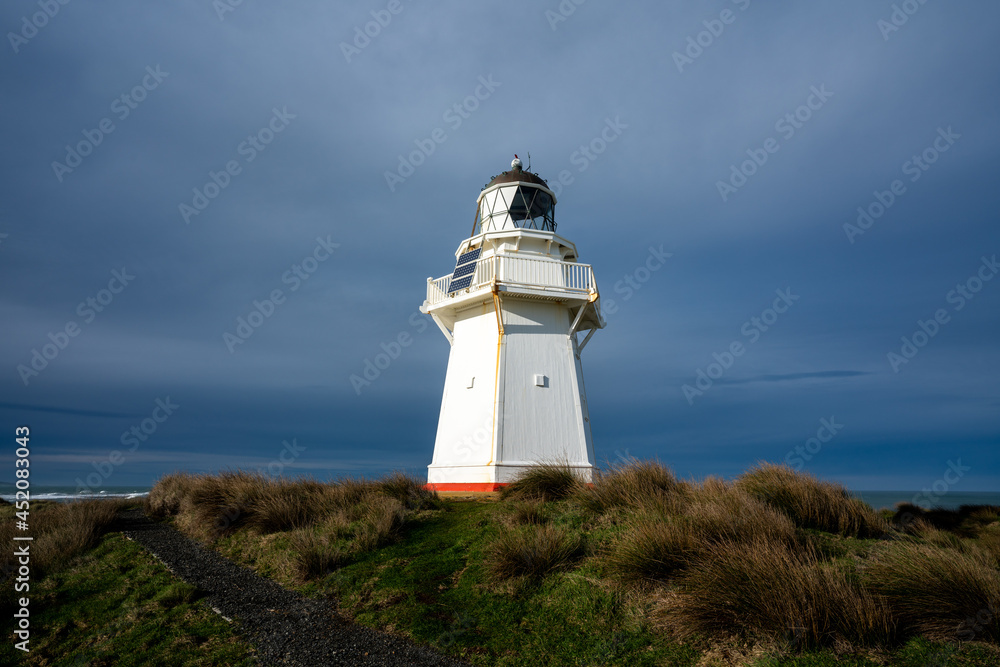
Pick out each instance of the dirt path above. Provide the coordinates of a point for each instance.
(285, 627)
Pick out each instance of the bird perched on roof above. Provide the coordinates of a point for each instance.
(516, 162)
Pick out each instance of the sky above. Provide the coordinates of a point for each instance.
(822, 176)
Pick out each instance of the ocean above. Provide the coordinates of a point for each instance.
(64, 493)
(951, 500)
(877, 499)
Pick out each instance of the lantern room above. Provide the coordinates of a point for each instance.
(516, 199)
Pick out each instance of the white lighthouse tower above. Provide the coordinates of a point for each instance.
(512, 311)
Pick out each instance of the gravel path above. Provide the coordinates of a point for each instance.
(285, 627)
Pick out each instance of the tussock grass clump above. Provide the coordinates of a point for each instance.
(351, 516)
(63, 530)
(720, 512)
(938, 592)
(966, 521)
(526, 513)
(210, 506)
(60, 530)
(989, 544)
(654, 551)
(345, 494)
(316, 556)
(218, 504)
(170, 491)
(765, 591)
(285, 512)
(984, 515)
(531, 552)
(545, 482)
(812, 503)
(666, 539)
(632, 485)
(939, 538)
(383, 517)
(409, 491)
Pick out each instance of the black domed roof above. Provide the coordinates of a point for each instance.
(517, 175)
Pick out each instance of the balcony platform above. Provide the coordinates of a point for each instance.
(571, 283)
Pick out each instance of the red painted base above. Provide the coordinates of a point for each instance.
(480, 487)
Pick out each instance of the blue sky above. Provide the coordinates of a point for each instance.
(177, 163)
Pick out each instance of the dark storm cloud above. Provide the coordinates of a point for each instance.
(18, 408)
(829, 105)
(789, 377)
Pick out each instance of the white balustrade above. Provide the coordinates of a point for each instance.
(521, 272)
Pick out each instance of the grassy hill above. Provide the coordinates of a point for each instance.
(774, 568)
(99, 599)
(639, 568)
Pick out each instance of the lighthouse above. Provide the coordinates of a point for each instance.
(517, 310)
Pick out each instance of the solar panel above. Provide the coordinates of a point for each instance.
(465, 269)
(461, 283)
(470, 256)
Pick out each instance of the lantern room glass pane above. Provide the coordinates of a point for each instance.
(517, 206)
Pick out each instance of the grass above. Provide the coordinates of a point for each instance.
(294, 531)
(434, 586)
(526, 513)
(653, 551)
(210, 506)
(60, 532)
(939, 592)
(532, 552)
(766, 591)
(812, 503)
(117, 605)
(637, 569)
(967, 521)
(677, 532)
(316, 554)
(635, 484)
(546, 482)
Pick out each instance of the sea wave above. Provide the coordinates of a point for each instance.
(66, 497)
